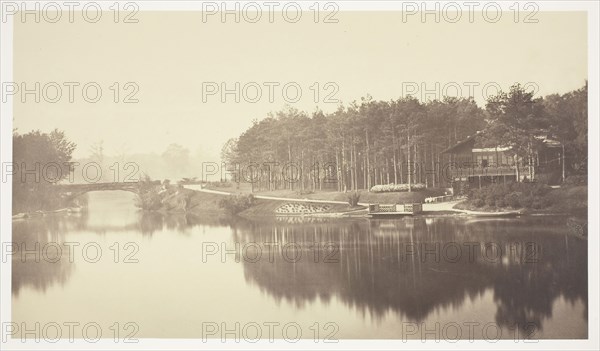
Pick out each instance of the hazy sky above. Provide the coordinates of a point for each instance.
(170, 54)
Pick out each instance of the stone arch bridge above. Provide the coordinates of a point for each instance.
(75, 190)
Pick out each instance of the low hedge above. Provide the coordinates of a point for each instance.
(389, 188)
(235, 204)
(515, 195)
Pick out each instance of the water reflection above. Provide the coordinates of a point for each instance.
(38, 269)
(416, 266)
(151, 222)
(388, 271)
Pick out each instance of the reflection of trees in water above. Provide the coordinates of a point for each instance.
(524, 294)
(45, 273)
(150, 222)
(301, 219)
(53, 229)
(375, 273)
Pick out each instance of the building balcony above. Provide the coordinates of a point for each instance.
(461, 172)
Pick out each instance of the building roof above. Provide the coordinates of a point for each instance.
(544, 138)
(492, 149)
(461, 143)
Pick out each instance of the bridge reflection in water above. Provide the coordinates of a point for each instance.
(381, 273)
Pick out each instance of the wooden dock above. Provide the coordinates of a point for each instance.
(378, 211)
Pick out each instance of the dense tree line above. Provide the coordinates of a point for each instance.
(39, 161)
(520, 120)
(400, 141)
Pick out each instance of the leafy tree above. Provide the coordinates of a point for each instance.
(40, 160)
(567, 117)
(515, 120)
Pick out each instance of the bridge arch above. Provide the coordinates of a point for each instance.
(76, 190)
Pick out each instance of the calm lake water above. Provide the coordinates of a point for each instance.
(179, 277)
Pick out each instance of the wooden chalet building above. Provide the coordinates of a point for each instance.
(484, 165)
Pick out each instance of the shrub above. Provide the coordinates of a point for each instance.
(304, 192)
(220, 184)
(150, 200)
(396, 187)
(515, 195)
(461, 187)
(552, 177)
(235, 204)
(537, 203)
(576, 180)
(490, 200)
(149, 197)
(500, 202)
(526, 200)
(478, 203)
(353, 199)
(512, 200)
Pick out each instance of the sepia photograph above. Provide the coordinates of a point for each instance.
(299, 175)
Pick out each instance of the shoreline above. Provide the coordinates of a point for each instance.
(429, 209)
(42, 213)
(203, 200)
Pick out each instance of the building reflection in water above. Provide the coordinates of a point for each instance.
(415, 266)
(411, 267)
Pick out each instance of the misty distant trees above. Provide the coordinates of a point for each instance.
(177, 158)
(120, 165)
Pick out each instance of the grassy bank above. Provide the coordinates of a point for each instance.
(571, 199)
(531, 198)
(365, 196)
(524, 198)
(178, 199)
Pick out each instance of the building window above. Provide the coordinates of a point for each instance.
(507, 160)
(485, 160)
